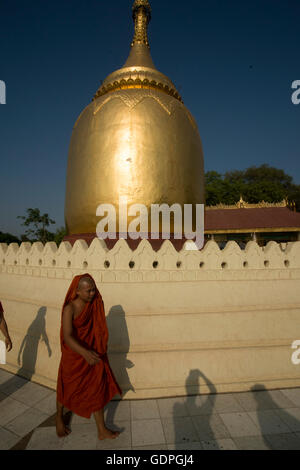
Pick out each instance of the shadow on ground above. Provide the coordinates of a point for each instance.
(28, 352)
(265, 402)
(268, 416)
(196, 407)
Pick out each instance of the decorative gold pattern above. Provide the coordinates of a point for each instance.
(139, 70)
(252, 230)
(126, 84)
(141, 12)
(131, 100)
(241, 204)
(141, 3)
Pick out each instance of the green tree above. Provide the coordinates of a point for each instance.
(59, 235)
(37, 226)
(8, 238)
(254, 184)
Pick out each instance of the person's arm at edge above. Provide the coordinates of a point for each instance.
(4, 329)
(90, 356)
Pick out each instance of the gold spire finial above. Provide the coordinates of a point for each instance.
(141, 13)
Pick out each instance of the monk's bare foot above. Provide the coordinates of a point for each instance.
(61, 429)
(108, 434)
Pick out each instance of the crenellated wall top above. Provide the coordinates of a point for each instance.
(37, 258)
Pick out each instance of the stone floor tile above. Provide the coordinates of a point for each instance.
(144, 409)
(280, 399)
(147, 432)
(188, 446)
(153, 447)
(240, 424)
(247, 400)
(122, 441)
(47, 405)
(7, 439)
(291, 417)
(200, 405)
(225, 403)
(5, 376)
(10, 409)
(221, 421)
(289, 441)
(219, 444)
(82, 437)
(23, 441)
(268, 422)
(118, 448)
(263, 400)
(45, 439)
(252, 443)
(75, 419)
(293, 394)
(26, 422)
(169, 407)
(12, 384)
(179, 429)
(117, 411)
(30, 393)
(210, 427)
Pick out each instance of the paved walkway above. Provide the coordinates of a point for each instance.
(248, 420)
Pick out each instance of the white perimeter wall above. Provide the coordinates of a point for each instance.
(229, 314)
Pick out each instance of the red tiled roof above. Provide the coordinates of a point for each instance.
(246, 218)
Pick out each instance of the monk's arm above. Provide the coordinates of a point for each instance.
(68, 331)
(90, 356)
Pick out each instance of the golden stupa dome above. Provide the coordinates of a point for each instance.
(135, 139)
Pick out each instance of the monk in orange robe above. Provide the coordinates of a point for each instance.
(85, 381)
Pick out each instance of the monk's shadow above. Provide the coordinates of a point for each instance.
(199, 407)
(265, 402)
(118, 348)
(27, 354)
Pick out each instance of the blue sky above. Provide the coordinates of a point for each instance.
(232, 61)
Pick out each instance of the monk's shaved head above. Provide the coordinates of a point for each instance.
(86, 281)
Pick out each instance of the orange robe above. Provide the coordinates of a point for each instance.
(82, 388)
